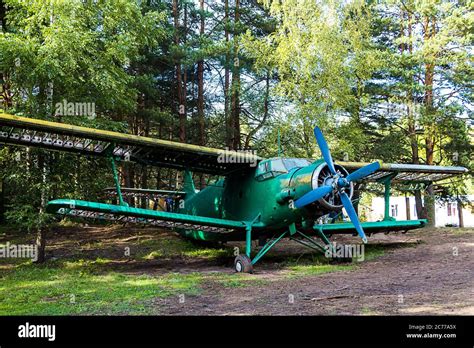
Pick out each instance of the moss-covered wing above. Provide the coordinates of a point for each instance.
(25, 131)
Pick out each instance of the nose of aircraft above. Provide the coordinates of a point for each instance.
(337, 183)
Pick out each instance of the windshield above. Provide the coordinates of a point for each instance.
(291, 163)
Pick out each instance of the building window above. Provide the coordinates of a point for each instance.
(394, 209)
(451, 209)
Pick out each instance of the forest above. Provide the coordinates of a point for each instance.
(388, 80)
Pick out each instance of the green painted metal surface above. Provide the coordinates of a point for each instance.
(387, 185)
(117, 181)
(267, 247)
(54, 206)
(371, 227)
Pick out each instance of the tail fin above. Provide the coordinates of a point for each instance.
(188, 184)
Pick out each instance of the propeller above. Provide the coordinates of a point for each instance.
(338, 184)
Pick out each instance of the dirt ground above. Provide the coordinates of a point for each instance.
(428, 271)
(434, 277)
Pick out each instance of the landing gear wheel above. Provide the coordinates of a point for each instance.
(242, 263)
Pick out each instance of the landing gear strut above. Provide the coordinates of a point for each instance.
(243, 262)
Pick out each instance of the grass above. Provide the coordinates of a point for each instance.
(82, 287)
(457, 230)
(315, 264)
(101, 285)
(94, 286)
(153, 248)
(307, 270)
(75, 287)
(367, 311)
(312, 264)
(373, 251)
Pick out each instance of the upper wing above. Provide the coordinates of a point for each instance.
(89, 141)
(406, 173)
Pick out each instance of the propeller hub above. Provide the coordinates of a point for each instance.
(342, 182)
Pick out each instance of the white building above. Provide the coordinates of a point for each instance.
(446, 214)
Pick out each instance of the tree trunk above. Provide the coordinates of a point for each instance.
(407, 207)
(2, 200)
(41, 230)
(41, 244)
(3, 22)
(227, 116)
(420, 208)
(410, 107)
(235, 89)
(428, 97)
(430, 206)
(185, 81)
(429, 126)
(461, 218)
(200, 103)
(179, 83)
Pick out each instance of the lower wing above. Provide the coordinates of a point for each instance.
(102, 211)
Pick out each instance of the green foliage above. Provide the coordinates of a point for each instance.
(79, 50)
(356, 69)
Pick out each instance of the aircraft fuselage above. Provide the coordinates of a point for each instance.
(243, 196)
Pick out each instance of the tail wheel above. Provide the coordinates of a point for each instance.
(243, 264)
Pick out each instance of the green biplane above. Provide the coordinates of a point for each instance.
(256, 198)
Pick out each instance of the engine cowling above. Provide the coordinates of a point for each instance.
(322, 177)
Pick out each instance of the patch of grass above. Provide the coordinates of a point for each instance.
(67, 222)
(212, 253)
(458, 230)
(308, 270)
(367, 311)
(238, 280)
(312, 264)
(152, 248)
(75, 287)
(373, 251)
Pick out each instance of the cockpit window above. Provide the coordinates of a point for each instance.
(276, 166)
(291, 163)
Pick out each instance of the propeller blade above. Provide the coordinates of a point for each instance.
(363, 172)
(323, 146)
(346, 201)
(313, 196)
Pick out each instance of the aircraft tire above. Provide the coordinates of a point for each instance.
(243, 264)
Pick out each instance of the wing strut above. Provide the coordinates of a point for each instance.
(387, 181)
(117, 182)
